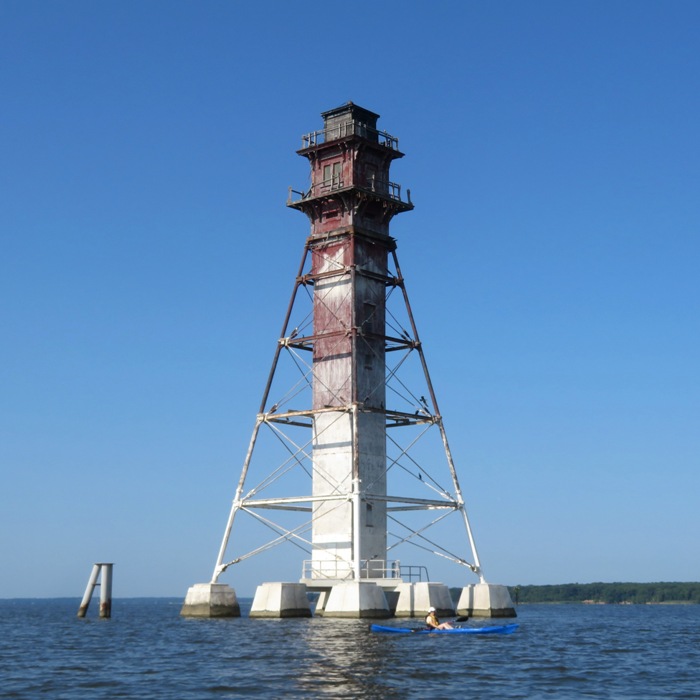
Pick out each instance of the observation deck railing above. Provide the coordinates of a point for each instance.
(349, 128)
(392, 190)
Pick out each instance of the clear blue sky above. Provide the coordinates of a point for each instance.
(147, 257)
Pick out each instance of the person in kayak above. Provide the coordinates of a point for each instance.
(432, 622)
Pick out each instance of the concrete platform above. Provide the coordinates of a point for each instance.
(281, 600)
(414, 600)
(210, 600)
(355, 599)
(486, 600)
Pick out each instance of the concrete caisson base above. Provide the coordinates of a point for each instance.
(210, 600)
(416, 598)
(405, 602)
(486, 600)
(281, 600)
(355, 599)
(433, 595)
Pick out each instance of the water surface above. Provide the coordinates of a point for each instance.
(146, 650)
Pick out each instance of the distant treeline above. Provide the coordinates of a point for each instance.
(619, 593)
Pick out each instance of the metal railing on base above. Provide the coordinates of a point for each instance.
(340, 570)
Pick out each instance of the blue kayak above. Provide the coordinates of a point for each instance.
(493, 629)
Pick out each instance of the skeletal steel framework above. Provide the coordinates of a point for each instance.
(276, 416)
(280, 458)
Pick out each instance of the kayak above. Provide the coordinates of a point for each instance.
(493, 629)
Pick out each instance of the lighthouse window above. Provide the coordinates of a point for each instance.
(371, 176)
(332, 175)
(330, 210)
(369, 520)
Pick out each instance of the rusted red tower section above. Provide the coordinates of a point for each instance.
(350, 203)
(350, 186)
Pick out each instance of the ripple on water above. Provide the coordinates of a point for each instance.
(148, 651)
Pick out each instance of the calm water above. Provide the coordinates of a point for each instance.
(148, 651)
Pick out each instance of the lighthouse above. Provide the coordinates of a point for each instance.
(346, 478)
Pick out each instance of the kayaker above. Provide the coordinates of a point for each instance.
(432, 623)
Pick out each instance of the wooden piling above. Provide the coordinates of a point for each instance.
(105, 590)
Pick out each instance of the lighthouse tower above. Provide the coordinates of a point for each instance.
(338, 422)
(350, 204)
